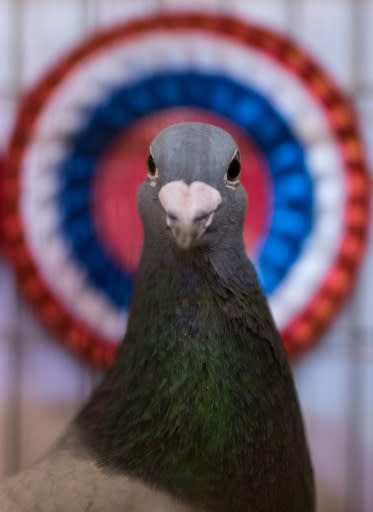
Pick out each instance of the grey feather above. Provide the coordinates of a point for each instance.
(199, 412)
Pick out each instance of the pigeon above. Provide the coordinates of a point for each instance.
(199, 411)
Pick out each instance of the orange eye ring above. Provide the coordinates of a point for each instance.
(233, 172)
(152, 168)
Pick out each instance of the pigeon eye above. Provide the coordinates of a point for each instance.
(152, 168)
(232, 176)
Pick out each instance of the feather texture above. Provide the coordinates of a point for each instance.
(199, 412)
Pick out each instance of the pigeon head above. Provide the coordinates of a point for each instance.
(193, 197)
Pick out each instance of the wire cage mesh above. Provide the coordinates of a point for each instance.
(41, 386)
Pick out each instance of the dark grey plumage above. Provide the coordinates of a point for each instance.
(199, 411)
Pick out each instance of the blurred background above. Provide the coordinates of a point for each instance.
(42, 384)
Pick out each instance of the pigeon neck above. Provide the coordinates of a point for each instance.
(167, 410)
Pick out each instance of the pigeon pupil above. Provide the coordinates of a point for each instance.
(234, 170)
(151, 166)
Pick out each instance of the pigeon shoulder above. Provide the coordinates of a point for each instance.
(65, 481)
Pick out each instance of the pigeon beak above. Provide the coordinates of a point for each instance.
(189, 209)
